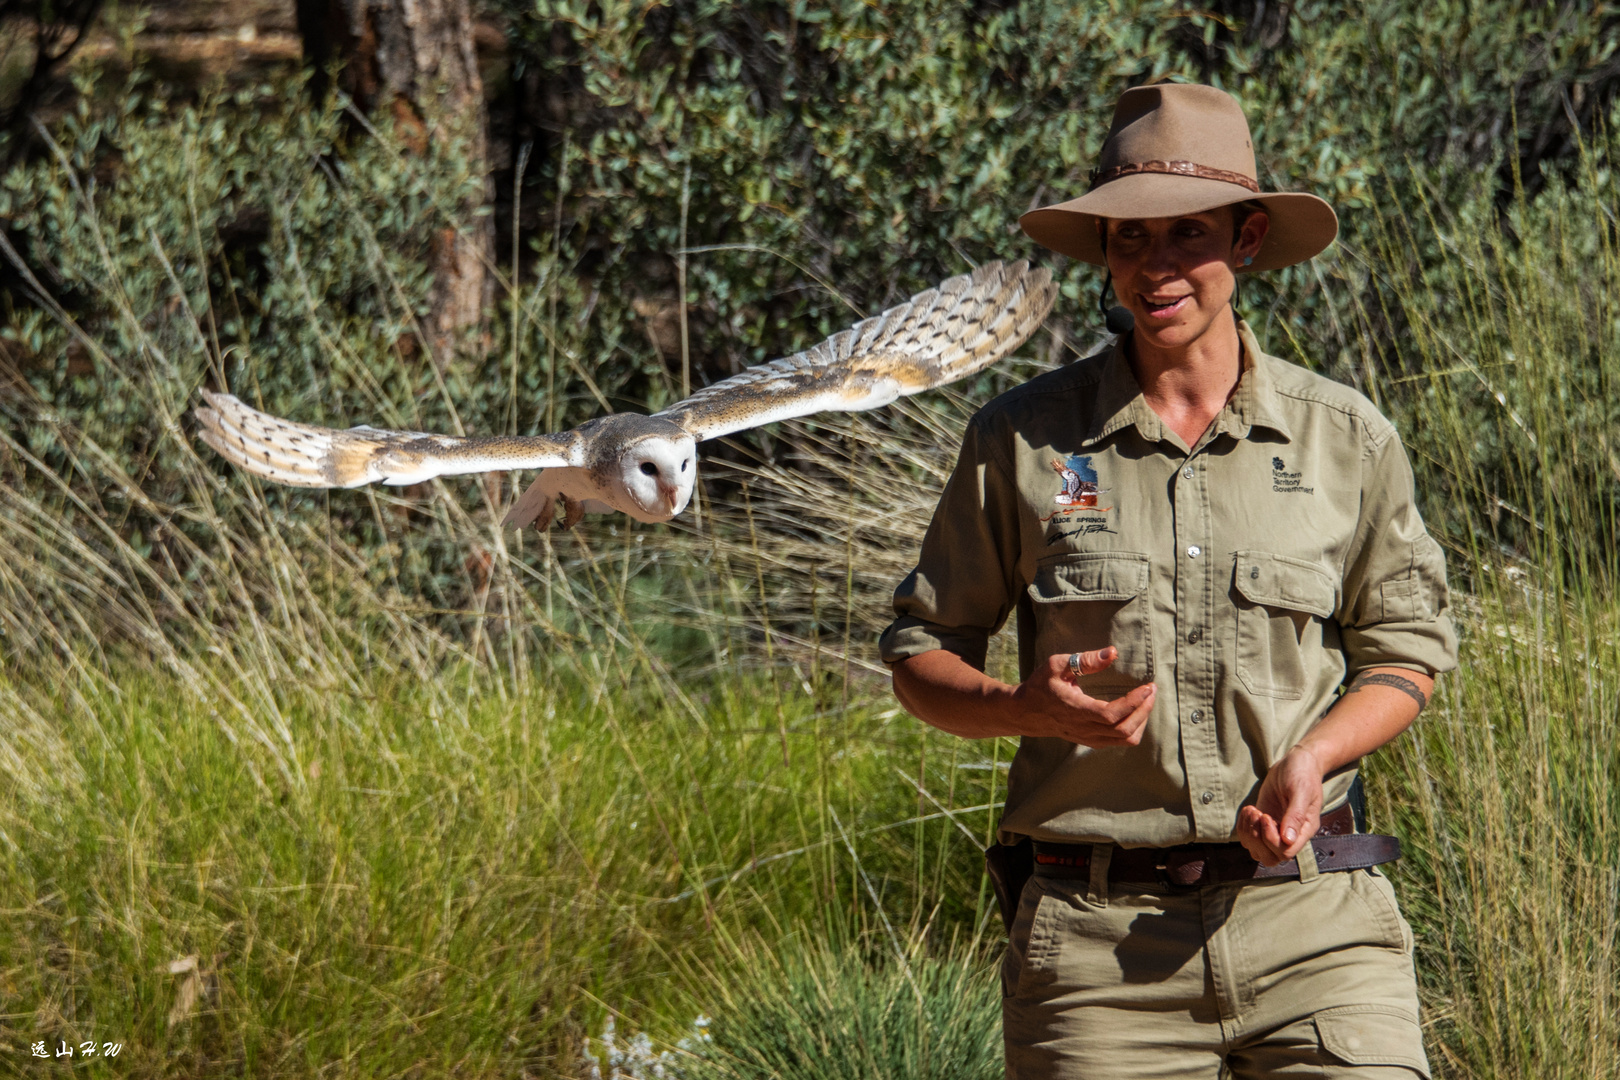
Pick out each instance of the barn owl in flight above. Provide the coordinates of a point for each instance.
(645, 466)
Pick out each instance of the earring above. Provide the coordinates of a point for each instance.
(1248, 259)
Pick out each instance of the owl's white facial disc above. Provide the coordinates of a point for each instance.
(658, 474)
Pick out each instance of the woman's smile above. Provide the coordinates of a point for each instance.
(1164, 307)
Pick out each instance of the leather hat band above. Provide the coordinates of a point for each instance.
(1174, 168)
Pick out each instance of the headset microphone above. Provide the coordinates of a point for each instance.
(1118, 318)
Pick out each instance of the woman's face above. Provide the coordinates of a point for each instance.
(1176, 274)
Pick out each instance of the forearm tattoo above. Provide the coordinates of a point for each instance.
(1384, 678)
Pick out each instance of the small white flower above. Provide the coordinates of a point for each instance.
(637, 1059)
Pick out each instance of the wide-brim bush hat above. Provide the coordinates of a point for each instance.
(1174, 149)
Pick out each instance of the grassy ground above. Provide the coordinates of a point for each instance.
(473, 890)
(463, 891)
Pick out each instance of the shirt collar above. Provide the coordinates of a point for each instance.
(1119, 399)
(1119, 402)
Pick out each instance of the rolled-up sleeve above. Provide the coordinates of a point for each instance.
(963, 586)
(1394, 605)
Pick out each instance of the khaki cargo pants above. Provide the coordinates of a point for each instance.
(1279, 978)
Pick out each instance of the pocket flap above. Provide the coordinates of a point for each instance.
(1372, 1035)
(1278, 581)
(1115, 575)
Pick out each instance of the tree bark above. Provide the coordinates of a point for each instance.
(415, 60)
(58, 28)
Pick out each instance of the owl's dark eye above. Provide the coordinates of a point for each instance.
(649, 469)
(685, 463)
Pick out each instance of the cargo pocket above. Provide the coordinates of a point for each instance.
(1090, 600)
(1378, 896)
(1281, 603)
(1356, 1036)
(1384, 925)
(1032, 940)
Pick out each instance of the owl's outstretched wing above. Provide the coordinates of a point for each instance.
(307, 456)
(936, 337)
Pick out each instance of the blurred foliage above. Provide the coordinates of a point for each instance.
(247, 242)
(882, 146)
(36, 39)
(817, 162)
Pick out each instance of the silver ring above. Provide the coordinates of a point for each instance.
(1074, 664)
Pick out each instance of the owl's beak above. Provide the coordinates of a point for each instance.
(671, 496)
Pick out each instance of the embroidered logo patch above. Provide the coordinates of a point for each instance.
(1076, 498)
(1285, 482)
(1079, 489)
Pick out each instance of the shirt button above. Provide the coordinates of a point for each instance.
(1198, 716)
(1194, 636)
(1194, 551)
(1186, 474)
(1207, 797)
(1254, 572)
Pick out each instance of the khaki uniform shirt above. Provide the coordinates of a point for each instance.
(1248, 577)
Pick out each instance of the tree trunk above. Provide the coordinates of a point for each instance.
(400, 56)
(57, 29)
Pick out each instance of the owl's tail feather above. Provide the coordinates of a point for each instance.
(539, 505)
(534, 505)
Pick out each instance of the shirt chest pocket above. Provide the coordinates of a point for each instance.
(1089, 601)
(1282, 604)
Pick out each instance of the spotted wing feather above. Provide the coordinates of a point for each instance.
(935, 338)
(303, 455)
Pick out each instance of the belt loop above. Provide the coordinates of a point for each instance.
(1306, 860)
(1101, 856)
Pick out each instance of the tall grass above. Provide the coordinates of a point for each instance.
(1502, 358)
(422, 798)
(454, 891)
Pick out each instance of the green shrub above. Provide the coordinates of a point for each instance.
(876, 145)
(822, 1011)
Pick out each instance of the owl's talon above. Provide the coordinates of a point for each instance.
(573, 510)
(542, 520)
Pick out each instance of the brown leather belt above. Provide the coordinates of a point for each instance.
(1337, 847)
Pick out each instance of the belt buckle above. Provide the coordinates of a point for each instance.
(1184, 868)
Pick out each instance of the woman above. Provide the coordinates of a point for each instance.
(1244, 603)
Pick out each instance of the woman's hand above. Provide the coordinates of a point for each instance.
(1379, 704)
(1288, 810)
(942, 689)
(1048, 703)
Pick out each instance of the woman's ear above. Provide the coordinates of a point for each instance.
(1251, 236)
